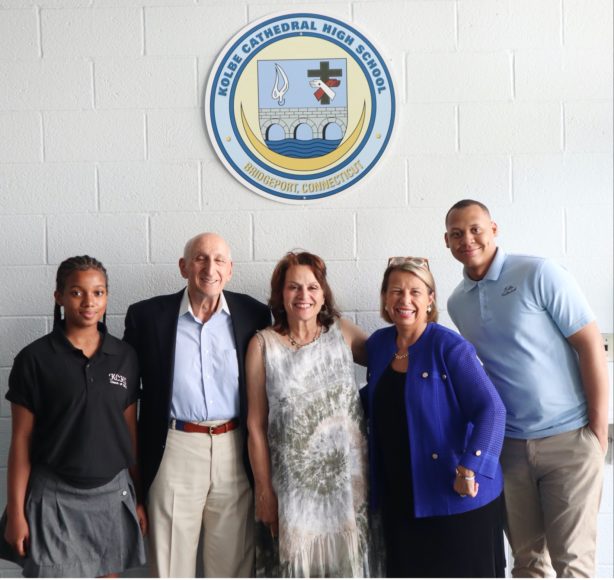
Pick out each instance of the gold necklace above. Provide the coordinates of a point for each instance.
(401, 356)
(298, 345)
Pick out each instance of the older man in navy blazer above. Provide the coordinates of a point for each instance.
(192, 452)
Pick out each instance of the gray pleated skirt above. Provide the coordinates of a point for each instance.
(78, 532)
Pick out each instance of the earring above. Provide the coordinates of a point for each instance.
(429, 308)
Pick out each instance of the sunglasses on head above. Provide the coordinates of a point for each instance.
(412, 260)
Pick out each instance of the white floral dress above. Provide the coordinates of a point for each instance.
(318, 449)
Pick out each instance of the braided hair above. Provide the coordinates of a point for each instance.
(66, 268)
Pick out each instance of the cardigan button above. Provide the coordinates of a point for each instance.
(425, 375)
(478, 453)
(435, 456)
(444, 377)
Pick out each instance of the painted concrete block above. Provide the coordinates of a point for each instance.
(177, 135)
(190, 30)
(111, 238)
(416, 26)
(21, 137)
(47, 188)
(588, 23)
(152, 83)
(92, 32)
(45, 84)
(149, 186)
(585, 227)
(588, 127)
(15, 333)
(440, 181)
(550, 180)
(170, 232)
(327, 233)
(22, 240)
(456, 76)
(563, 75)
(492, 128)
(500, 24)
(94, 135)
(19, 34)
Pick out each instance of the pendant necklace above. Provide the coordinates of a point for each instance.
(298, 345)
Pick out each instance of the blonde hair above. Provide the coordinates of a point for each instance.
(423, 274)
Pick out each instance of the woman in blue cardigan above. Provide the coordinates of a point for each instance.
(436, 426)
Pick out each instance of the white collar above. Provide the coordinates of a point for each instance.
(186, 306)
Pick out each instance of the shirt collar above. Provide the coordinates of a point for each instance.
(60, 342)
(186, 308)
(493, 272)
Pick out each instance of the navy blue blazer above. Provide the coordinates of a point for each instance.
(151, 328)
(454, 415)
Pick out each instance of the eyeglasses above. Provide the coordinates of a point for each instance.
(413, 261)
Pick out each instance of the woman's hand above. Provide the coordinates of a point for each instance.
(141, 514)
(17, 534)
(266, 509)
(464, 483)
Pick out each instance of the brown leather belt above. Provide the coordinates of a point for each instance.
(210, 430)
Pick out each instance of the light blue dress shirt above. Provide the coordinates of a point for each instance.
(518, 317)
(206, 374)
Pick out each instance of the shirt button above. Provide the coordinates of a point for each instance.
(444, 377)
(435, 456)
(124, 492)
(91, 380)
(425, 375)
(478, 453)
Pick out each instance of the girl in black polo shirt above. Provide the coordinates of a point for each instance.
(72, 509)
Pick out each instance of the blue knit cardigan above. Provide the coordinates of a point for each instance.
(454, 414)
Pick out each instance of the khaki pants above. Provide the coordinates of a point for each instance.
(552, 493)
(201, 483)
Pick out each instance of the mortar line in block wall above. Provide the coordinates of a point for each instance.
(562, 30)
(145, 137)
(457, 128)
(355, 236)
(563, 132)
(39, 32)
(41, 116)
(143, 45)
(93, 84)
(96, 187)
(513, 74)
(564, 228)
(456, 25)
(510, 178)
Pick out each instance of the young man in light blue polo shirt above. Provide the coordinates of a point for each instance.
(540, 345)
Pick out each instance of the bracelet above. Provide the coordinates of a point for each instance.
(465, 477)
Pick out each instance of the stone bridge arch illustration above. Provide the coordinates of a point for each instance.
(289, 119)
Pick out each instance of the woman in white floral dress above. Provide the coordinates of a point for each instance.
(306, 427)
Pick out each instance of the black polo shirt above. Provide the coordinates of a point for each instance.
(78, 403)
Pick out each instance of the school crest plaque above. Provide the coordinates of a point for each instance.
(299, 106)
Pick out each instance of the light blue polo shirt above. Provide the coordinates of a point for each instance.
(518, 317)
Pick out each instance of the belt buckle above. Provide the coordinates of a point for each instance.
(211, 428)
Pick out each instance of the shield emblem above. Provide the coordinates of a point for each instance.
(302, 105)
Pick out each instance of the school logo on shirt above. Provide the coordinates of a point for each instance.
(508, 290)
(117, 379)
(299, 106)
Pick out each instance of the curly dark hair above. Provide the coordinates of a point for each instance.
(327, 315)
(66, 268)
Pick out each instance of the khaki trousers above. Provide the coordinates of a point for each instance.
(552, 493)
(201, 484)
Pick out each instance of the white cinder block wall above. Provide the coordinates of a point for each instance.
(103, 151)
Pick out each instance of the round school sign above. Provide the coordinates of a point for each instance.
(300, 106)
